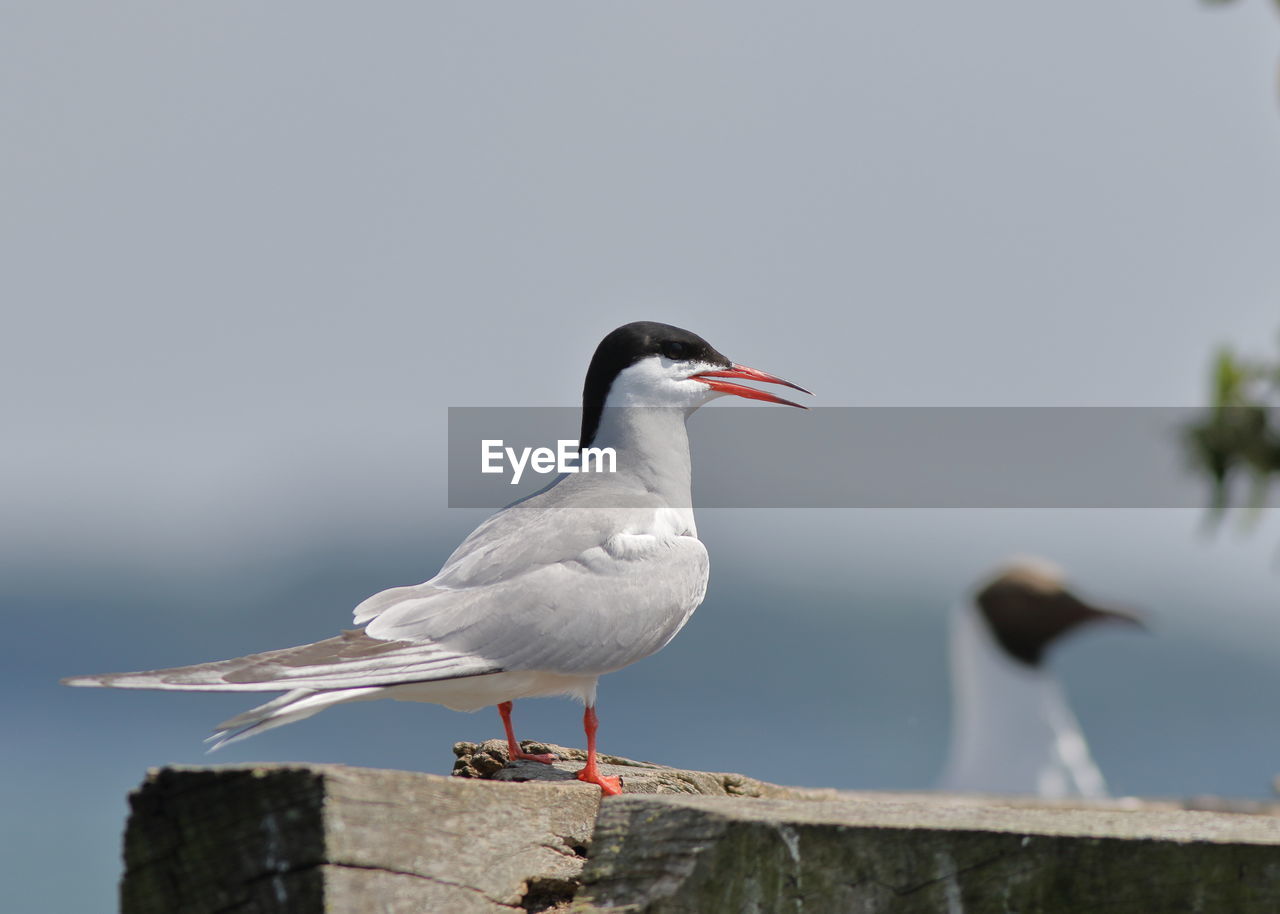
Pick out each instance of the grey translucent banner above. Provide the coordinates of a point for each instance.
(871, 457)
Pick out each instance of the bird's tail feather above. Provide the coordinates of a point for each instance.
(285, 709)
(349, 661)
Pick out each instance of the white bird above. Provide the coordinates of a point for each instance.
(595, 572)
(1012, 729)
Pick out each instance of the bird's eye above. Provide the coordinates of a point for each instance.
(675, 351)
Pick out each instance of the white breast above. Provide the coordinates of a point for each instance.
(1012, 730)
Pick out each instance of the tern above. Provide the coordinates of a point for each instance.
(595, 572)
(1012, 729)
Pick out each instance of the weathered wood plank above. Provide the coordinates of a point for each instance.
(278, 838)
(682, 855)
(292, 838)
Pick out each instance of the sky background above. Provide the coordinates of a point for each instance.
(254, 251)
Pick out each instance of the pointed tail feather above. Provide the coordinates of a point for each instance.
(351, 660)
(287, 708)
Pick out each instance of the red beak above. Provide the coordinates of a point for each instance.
(750, 374)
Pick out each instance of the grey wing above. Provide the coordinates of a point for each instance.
(557, 525)
(530, 589)
(534, 534)
(351, 660)
(593, 613)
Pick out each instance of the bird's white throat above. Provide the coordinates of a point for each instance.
(643, 420)
(652, 446)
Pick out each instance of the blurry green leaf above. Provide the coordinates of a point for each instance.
(1226, 378)
(1239, 435)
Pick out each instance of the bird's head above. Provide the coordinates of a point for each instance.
(1028, 608)
(650, 364)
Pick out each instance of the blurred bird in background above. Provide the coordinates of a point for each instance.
(1012, 729)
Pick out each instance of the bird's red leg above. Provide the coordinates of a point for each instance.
(513, 748)
(610, 787)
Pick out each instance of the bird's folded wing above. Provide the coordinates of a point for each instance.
(554, 527)
(351, 660)
(596, 612)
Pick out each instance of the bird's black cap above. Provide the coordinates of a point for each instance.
(623, 348)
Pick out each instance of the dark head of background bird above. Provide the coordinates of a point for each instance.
(1028, 608)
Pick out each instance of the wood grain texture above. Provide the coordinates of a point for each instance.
(278, 838)
(685, 855)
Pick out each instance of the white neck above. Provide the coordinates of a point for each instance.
(643, 420)
(1012, 730)
(652, 445)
